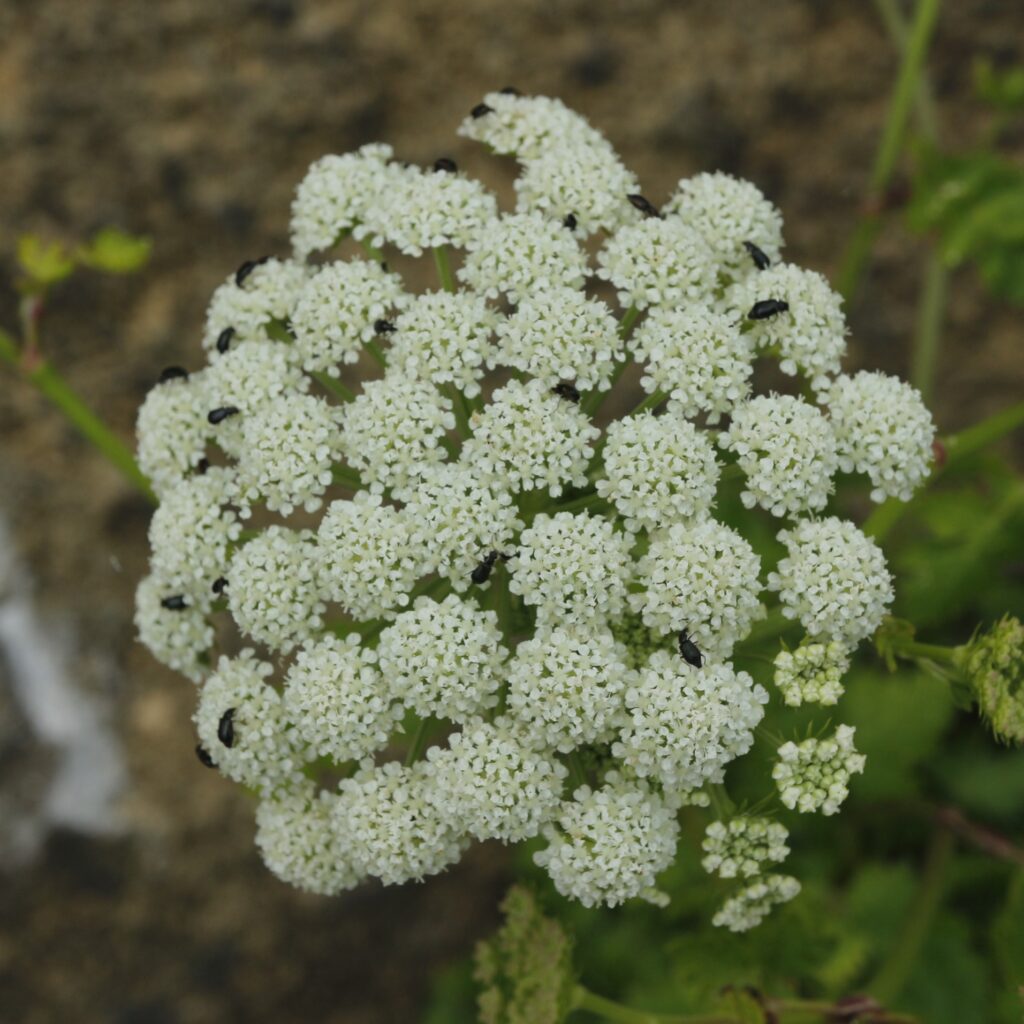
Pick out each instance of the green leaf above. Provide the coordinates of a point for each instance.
(1003, 90)
(115, 251)
(43, 263)
(899, 719)
(974, 203)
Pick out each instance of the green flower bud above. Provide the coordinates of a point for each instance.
(994, 666)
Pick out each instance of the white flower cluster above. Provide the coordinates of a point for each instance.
(814, 775)
(461, 590)
(741, 847)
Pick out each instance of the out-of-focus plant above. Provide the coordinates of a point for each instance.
(43, 265)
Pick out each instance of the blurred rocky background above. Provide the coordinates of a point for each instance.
(131, 890)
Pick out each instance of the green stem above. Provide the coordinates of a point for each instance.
(912, 649)
(419, 741)
(774, 624)
(371, 250)
(461, 410)
(444, 268)
(347, 477)
(652, 401)
(586, 501)
(46, 379)
(891, 979)
(577, 776)
(891, 144)
(377, 352)
(583, 999)
(592, 402)
(334, 386)
(928, 329)
(720, 800)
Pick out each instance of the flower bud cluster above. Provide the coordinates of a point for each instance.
(458, 592)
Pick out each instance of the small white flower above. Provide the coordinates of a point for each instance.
(572, 567)
(727, 212)
(685, 724)
(743, 846)
(172, 430)
(267, 292)
(494, 784)
(392, 432)
(427, 210)
(697, 356)
(813, 673)
(264, 752)
(289, 445)
(814, 775)
(883, 429)
(177, 637)
(192, 532)
(703, 578)
(444, 337)
(366, 558)
(521, 253)
(457, 519)
(272, 591)
(444, 658)
(559, 334)
(610, 844)
(786, 448)
(337, 310)
(660, 470)
(393, 825)
(811, 334)
(335, 195)
(658, 262)
(297, 838)
(566, 685)
(834, 580)
(752, 904)
(527, 438)
(338, 700)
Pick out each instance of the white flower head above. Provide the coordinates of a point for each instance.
(810, 335)
(571, 567)
(786, 448)
(659, 470)
(338, 700)
(421, 210)
(272, 591)
(812, 674)
(702, 577)
(814, 775)
(494, 783)
(243, 727)
(754, 902)
(300, 844)
(728, 212)
(685, 724)
(566, 686)
(884, 429)
(658, 262)
(697, 356)
(610, 844)
(289, 445)
(172, 430)
(561, 334)
(192, 532)
(258, 293)
(334, 196)
(521, 253)
(526, 437)
(444, 337)
(177, 637)
(392, 431)
(395, 827)
(444, 658)
(457, 518)
(337, 312)
(366, 558)
(742, 847)
(834, 579)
